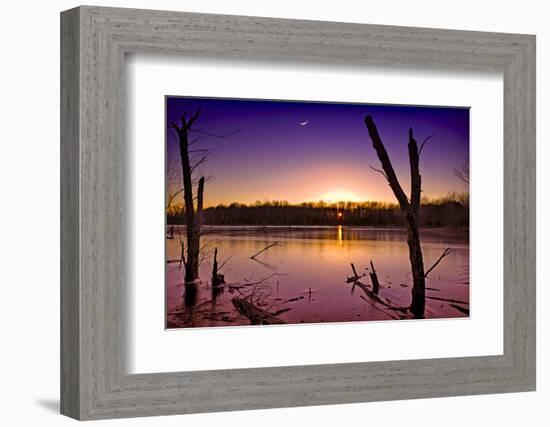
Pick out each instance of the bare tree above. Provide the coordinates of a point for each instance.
(193, 214)
(409, 207)
(183, 180)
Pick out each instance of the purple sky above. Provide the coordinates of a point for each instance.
(273, 157)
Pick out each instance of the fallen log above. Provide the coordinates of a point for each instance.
(256, 315)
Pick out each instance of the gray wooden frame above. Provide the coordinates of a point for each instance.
(94, 382)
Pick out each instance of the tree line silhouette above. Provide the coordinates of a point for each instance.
(449, 211)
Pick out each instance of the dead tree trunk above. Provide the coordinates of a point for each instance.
(409, 207)
(194, 236)
(215, 268)
(193, 217)
(418, 302)
(217, 278)
(374, 279)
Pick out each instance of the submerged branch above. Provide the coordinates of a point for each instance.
(355, 277)
(443, 255)
(383, 301)
(264, 249)
(223, 263)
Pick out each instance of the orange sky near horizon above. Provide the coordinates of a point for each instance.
(307, 152)
(330, 184)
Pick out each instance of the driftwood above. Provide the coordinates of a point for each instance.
(256, 315)
(263, 250)
(409, 207)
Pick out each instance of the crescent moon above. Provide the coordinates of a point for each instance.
(304, 123)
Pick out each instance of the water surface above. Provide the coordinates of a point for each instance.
(303, 277)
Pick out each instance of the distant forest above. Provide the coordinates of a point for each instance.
(449, 211)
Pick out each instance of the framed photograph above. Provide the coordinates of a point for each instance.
(262, 213)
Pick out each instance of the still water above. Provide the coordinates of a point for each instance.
(302, 278)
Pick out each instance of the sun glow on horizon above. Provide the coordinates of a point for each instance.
(340, 196)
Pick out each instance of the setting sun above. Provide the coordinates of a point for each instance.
(340, 196)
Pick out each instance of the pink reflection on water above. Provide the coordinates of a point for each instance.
(307, 272)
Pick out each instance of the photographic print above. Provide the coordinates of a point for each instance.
(296, 212)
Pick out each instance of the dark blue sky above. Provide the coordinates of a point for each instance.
(272, 157)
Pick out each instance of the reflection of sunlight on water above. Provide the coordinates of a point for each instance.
(316, 258)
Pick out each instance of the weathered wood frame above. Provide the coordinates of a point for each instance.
(94, 41)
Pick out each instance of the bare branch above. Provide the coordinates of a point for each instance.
(223, 263)
(202, 150)
(443, 255)
(198, 163)
(264, 249)
(172, 196)
(213, 135)
(379, 171)
(463, 173)
(193, 119)
(424, 142)
(173, 125)
(197, 139)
